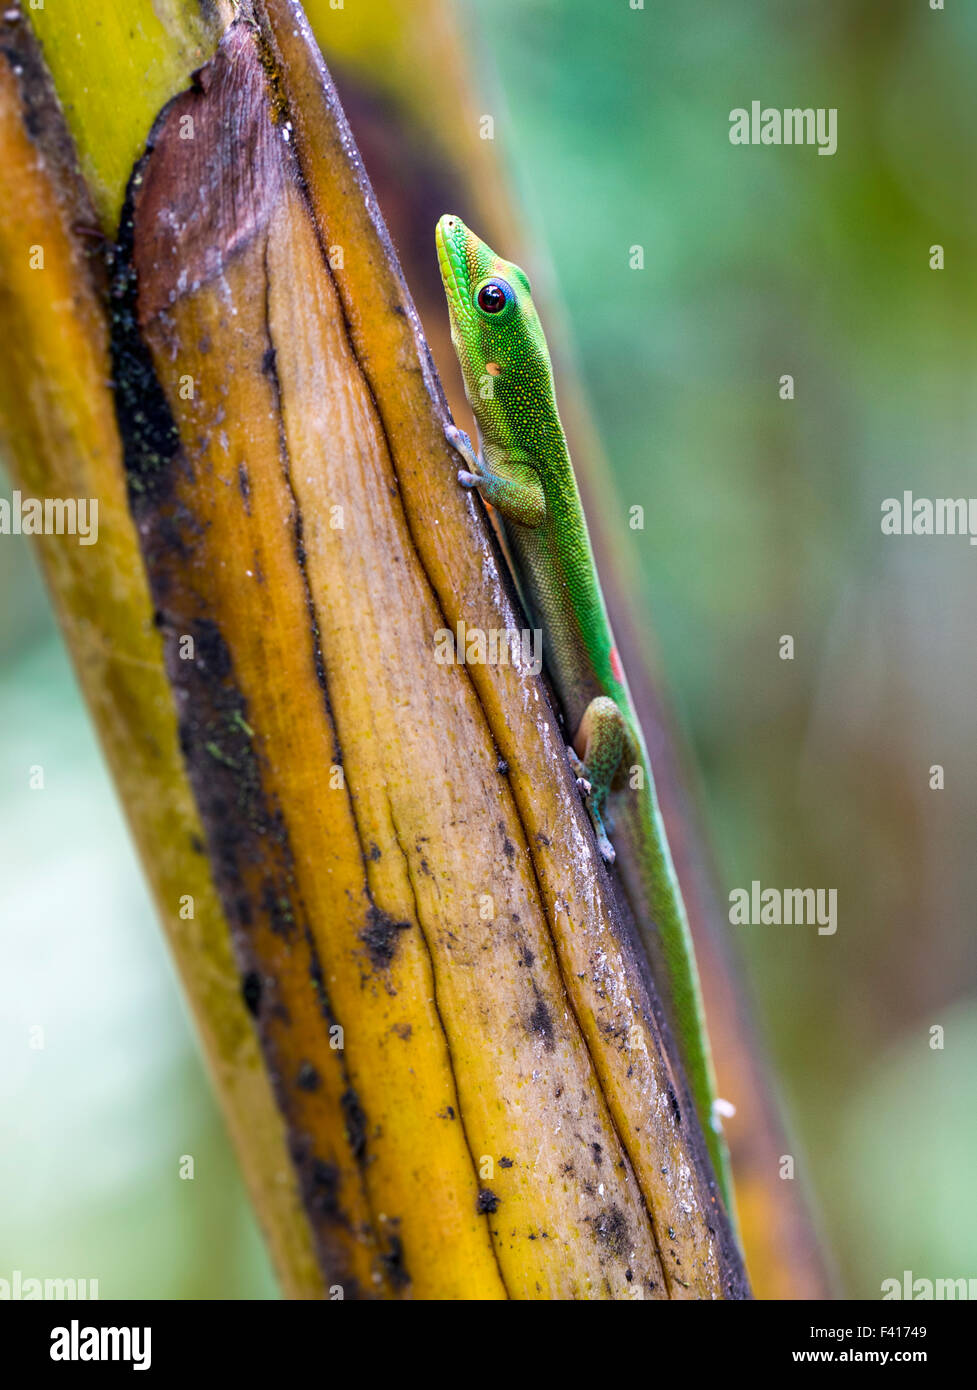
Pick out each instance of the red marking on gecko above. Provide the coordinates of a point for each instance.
(616, 666)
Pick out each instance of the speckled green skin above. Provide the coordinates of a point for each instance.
(523, 467)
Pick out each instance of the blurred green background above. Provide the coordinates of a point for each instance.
(763, 519)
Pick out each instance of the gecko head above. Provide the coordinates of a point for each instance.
(494, 325)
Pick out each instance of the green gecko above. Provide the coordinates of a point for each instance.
(522, 467)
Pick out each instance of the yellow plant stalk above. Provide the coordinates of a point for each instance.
(283, 523)
(60, 439)
(477, 1098)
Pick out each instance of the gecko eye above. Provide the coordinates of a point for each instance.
(493, 296)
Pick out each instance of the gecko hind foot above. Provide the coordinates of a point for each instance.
(584, 784)
(591, 801)
(579, 771)
(607, 852)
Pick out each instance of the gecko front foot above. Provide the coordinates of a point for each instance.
(462, 444)
(513, 487)
(473, 474)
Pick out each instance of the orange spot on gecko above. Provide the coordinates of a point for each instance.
(616, 666)
(492, 368)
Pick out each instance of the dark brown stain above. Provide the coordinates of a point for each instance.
(244, 486)
(379, 936)
(673, 1101)
(355, 1123)
(393, 1263)
(320, 1183)
(541, 1023)
(610, 1230)
(308, 1078)
(508, 848)
(251, 992)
